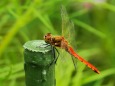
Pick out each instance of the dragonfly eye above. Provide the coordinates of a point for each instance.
(45, 37)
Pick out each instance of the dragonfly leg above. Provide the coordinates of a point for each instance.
(54, 55)
(55, 60)
(75, 66)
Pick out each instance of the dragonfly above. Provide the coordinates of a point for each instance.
(61, 41)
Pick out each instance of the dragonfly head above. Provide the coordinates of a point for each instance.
(47, 38)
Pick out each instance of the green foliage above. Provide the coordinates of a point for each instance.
(21, 21)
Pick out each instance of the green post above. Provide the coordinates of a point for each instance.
(38, 57)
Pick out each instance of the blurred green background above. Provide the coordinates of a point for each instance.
(25, 20)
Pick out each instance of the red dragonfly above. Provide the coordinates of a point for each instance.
(61, 42)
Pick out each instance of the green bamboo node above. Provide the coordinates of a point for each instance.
(38, 57)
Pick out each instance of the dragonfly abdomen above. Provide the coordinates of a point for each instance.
(72, 52)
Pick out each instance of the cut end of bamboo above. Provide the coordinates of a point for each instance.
(37, 46)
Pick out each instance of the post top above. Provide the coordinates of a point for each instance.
(37, 46)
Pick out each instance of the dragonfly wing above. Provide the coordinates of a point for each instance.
(68, 31)
(65, 21)
(71, 37)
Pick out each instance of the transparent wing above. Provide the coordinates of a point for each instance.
(68, 31)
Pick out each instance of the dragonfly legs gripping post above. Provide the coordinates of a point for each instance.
(54, 55)
(55, 58)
